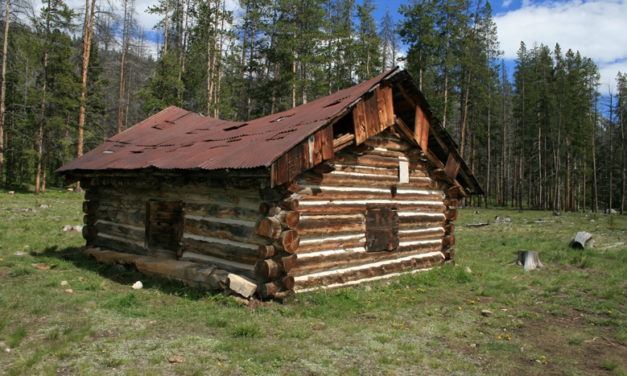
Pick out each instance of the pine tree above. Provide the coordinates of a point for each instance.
(368, 52)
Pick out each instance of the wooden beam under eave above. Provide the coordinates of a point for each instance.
(421, 129)
(452, 166)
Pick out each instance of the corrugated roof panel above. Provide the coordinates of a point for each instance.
(178, 139)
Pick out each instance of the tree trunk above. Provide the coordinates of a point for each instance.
(42, 110)
(125, 41)
(529, 260)
(88, 29)
(5, 48)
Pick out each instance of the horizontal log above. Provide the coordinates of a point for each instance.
(90, 232)
(420, 218)
(219, 210)
(310, 244)
(119, 244)
(289, 241)
(451, 214)
(193, 274)
(448, 240)
(343, 141)
(220, 248)
(275, 268)
(190, 193)
(452, 203)
(270, 289)
(132, 233)
(289, 203)
(377, 161)
(449, 228)
(90, 219)
(414, 169)
(348, 257)
(357, 206)
(266, 251)
(223, 228)
(311, 225)
(268, 270)
(90, 207)
(317, 192)
(389, 143)
(456, 191)
(269, 227)
(288, 282)
(449, 254)
(405, 235)
(364, 180)
(367, 271)
(133, 216)
(288, 262)
(244, 269)
(288, 218)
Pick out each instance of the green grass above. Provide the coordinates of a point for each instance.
(74, 316)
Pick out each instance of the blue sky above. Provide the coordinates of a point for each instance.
(596, 28)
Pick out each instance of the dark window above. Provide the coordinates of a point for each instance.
(381, 228)
(164, 225)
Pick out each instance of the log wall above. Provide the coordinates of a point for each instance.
(333, 206)
(217, 224)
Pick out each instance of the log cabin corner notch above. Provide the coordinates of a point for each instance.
(357, 186)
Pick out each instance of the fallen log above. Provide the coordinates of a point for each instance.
(480, 224)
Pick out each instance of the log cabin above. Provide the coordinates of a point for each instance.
(358, 186)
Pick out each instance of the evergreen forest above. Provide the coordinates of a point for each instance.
(539, 134)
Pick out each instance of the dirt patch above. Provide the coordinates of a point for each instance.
(570, 343)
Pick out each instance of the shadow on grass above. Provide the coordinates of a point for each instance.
(122, 274)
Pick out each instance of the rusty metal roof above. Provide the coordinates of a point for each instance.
(178, 139)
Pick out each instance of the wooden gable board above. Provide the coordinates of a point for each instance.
(421, 129)
(374, 114)
(309, 153)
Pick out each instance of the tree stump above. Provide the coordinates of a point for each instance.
(580, 240)
(529, 260)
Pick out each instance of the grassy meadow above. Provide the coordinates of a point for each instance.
(62, 314)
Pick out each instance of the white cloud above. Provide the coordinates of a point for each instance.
(507, 3)
(597, 29)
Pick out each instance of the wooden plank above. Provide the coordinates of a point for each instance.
(421, 129)
(326, 142)
(241, 285)
(381, 228)
(452, 166)
(385, 106)
(360, 122)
